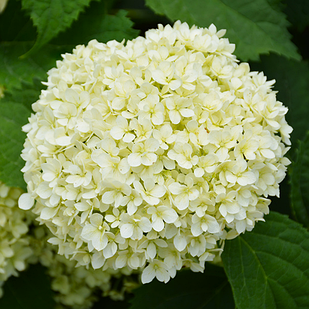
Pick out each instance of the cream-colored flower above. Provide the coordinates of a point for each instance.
(148, 155)
(144, 153)
(156, 269)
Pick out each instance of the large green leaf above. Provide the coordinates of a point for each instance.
(12, 117)
(52, 16)
(188, 290)
(299, 180)
(31, 290)
(292, 83)
(269, 267)
(257, 27)
(15, 71)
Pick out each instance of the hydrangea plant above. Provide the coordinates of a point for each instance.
(154, 161)
(150, 154)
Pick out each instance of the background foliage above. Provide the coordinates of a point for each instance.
(266, 268)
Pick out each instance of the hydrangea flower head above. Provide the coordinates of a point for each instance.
(149, 154)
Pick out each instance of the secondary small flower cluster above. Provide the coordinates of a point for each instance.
(14, 241)
(23, 242)
(148, 155)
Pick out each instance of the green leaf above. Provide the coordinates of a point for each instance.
(31, 290)
(292, 83)
(12, 117)
(256, 27)
(188, 290)
(26, 95)
(96, 24)
(52, 16)
(15, 71)
(114, 27)
(269, 267)
(299, 181)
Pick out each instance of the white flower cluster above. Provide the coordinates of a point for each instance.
(22, 242)
(148, 155)
(14, 243)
